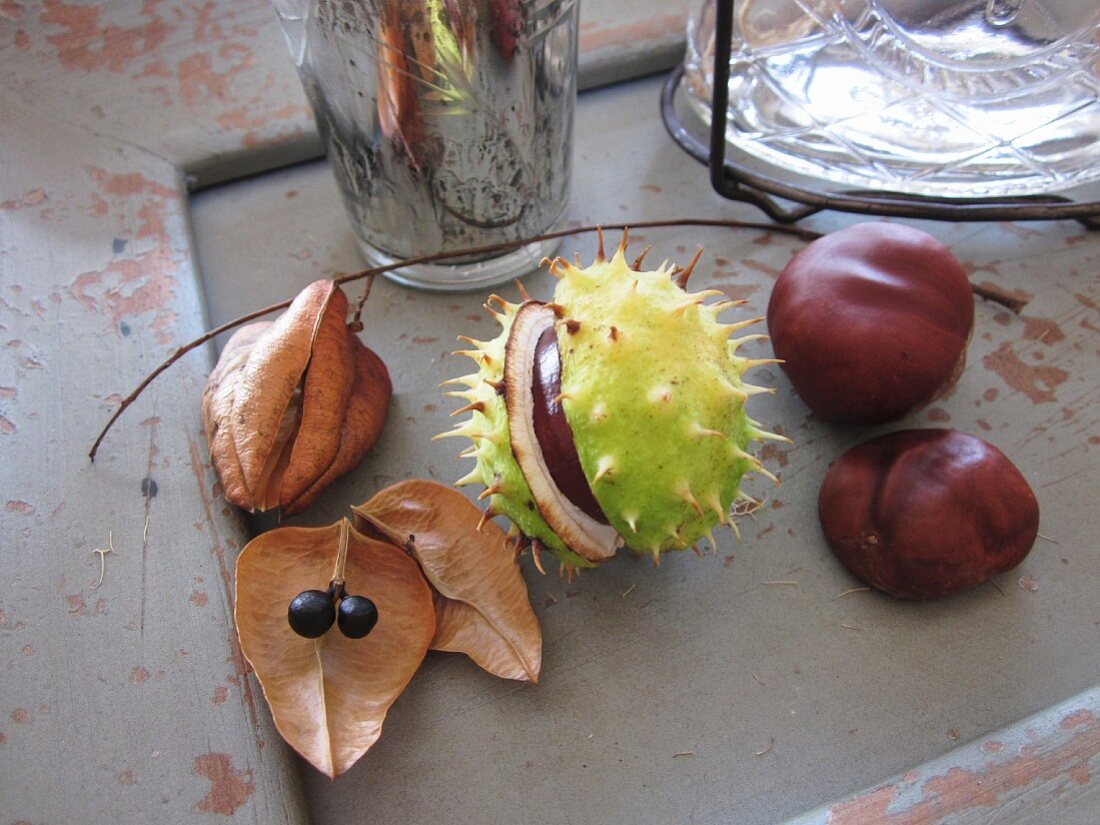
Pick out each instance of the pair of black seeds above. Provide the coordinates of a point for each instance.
(313, 612)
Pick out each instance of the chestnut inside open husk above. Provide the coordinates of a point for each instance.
(925, 513)
(871, 322)
(552, 431)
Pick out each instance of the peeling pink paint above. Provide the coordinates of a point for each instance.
(99, 207)
(221, 695)
(970, 267)
(7, 427)
(1086, 301)
(772, 452)
(198, 598)
(139, 675)
(200, 82)
(594, 37)
(1078, 718)
(245, 118)
(155, 68)
(1036, 382)
(763, 269)
(31, 198)
(128, 184)
(1043, 330)
(229, 787)
(11, 10)
(738, 292)
(84, 42)
(207, 29)
(958, 789)
(144, 283)
(1024, 232)
(20, 716)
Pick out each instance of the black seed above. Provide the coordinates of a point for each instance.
(311, 613)
(357, 618)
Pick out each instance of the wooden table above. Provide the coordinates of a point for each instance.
(692, 693)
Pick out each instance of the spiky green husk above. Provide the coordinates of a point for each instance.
(654, 396)
(653, 392)
(487, 427)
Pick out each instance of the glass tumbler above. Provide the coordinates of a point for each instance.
(943, 98)
(448, 125)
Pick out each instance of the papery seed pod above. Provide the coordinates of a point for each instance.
(294, 403)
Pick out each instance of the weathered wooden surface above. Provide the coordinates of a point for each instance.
(210, 86)
(691, 693)
(126, 699)
(1039, 771)
(660, 688)
(128, 686)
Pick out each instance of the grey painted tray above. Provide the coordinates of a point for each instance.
(696, 692)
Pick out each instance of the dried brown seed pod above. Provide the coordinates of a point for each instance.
(481, 604)
(292, 404)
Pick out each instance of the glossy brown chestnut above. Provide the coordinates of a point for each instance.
(925, 513)
(871, 322)
(552, 430)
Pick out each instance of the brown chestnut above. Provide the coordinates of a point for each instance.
(871, 322)
(924, 513)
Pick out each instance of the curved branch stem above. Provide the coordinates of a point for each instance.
(506, 246)
(372, 272)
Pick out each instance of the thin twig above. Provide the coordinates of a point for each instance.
(174, 357)
(102, 552)
(627, 592)
(850, 591)
(1010, 301)
(357, 319)
(342, 554)
(771, 744)
(757, 679)
(372, 272)
(999, 296)
(790, 583)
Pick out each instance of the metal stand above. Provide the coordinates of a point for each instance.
(738, 182)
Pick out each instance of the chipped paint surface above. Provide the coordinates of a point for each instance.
(230, 787)
(595, 37)
(987, 775)
(103, 258)
(173, 57)
(138, 285)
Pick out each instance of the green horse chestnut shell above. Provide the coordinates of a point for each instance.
(612, 415)
(871, 322)
(925, 513)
